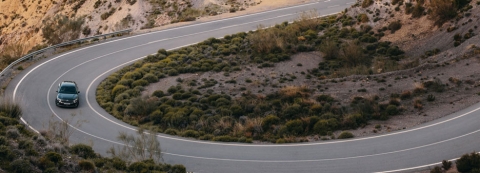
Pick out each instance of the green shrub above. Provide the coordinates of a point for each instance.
(118, 89)
(345, 135)
(468, 162)
(325, 98)
(21, 166)
(83, 151)
(134, 75)
(294, 127)
(44, 163)
(151, 78)
(324, 126)
(171, 132)
(436, 169)
(3, 140)
(6, 154)
(54, 157)
(158, 93)
(268, 121)
(13, 133)
(105, 15)
(178, 169)
(99, 162)
(86, 165)
(141, 82)
(446, 165)
(138, 167)
(191, 134)
(225, 138)
(125, 82)
(119, 164)
(51, 170)
(206, 137)
(394, 26)
(7, 121)
(392, 110)
(25, 144)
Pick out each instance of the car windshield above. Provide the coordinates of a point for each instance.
(67, 90)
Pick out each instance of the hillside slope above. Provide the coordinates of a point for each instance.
(23, 24)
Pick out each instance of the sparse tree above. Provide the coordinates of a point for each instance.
(142, 146)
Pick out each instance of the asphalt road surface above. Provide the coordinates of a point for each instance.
(405, 150)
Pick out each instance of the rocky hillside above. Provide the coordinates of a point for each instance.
(33, 24)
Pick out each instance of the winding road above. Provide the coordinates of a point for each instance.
(405, 150)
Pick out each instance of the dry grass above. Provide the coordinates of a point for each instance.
(358, 70)
(238, 129)
(11, 52)
(352, 54)
(292, 91)
(255, 124)
(308, 20)
(224, 123)
(417, 103)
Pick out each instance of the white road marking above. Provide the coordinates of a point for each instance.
(332, 159)
(333, 6)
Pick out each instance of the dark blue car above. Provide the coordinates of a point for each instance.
(67, 94)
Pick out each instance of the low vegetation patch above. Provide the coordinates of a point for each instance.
(199, 112)
(24, 151)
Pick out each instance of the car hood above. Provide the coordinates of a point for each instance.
(67, 96)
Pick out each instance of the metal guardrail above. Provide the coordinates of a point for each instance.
(60, 45)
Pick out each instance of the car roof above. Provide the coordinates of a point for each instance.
(67, 83)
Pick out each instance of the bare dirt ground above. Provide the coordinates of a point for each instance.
(263, 5)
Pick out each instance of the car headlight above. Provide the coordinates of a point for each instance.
(75, 100)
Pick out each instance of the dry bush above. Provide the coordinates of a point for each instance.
(255, 124)
(11, 52)
(352, 55)
(274, 40)
(419, 88)
(405, 95)
(362, 18)
(61, 28)
(62, 130)
(442, 11)
(10, 108)
(224, 123)
(417, 103)
(330, 49)
(238, 129)
(308, 20)
(139, 147)
(267, 40)
(367, 3)
(293, 91)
